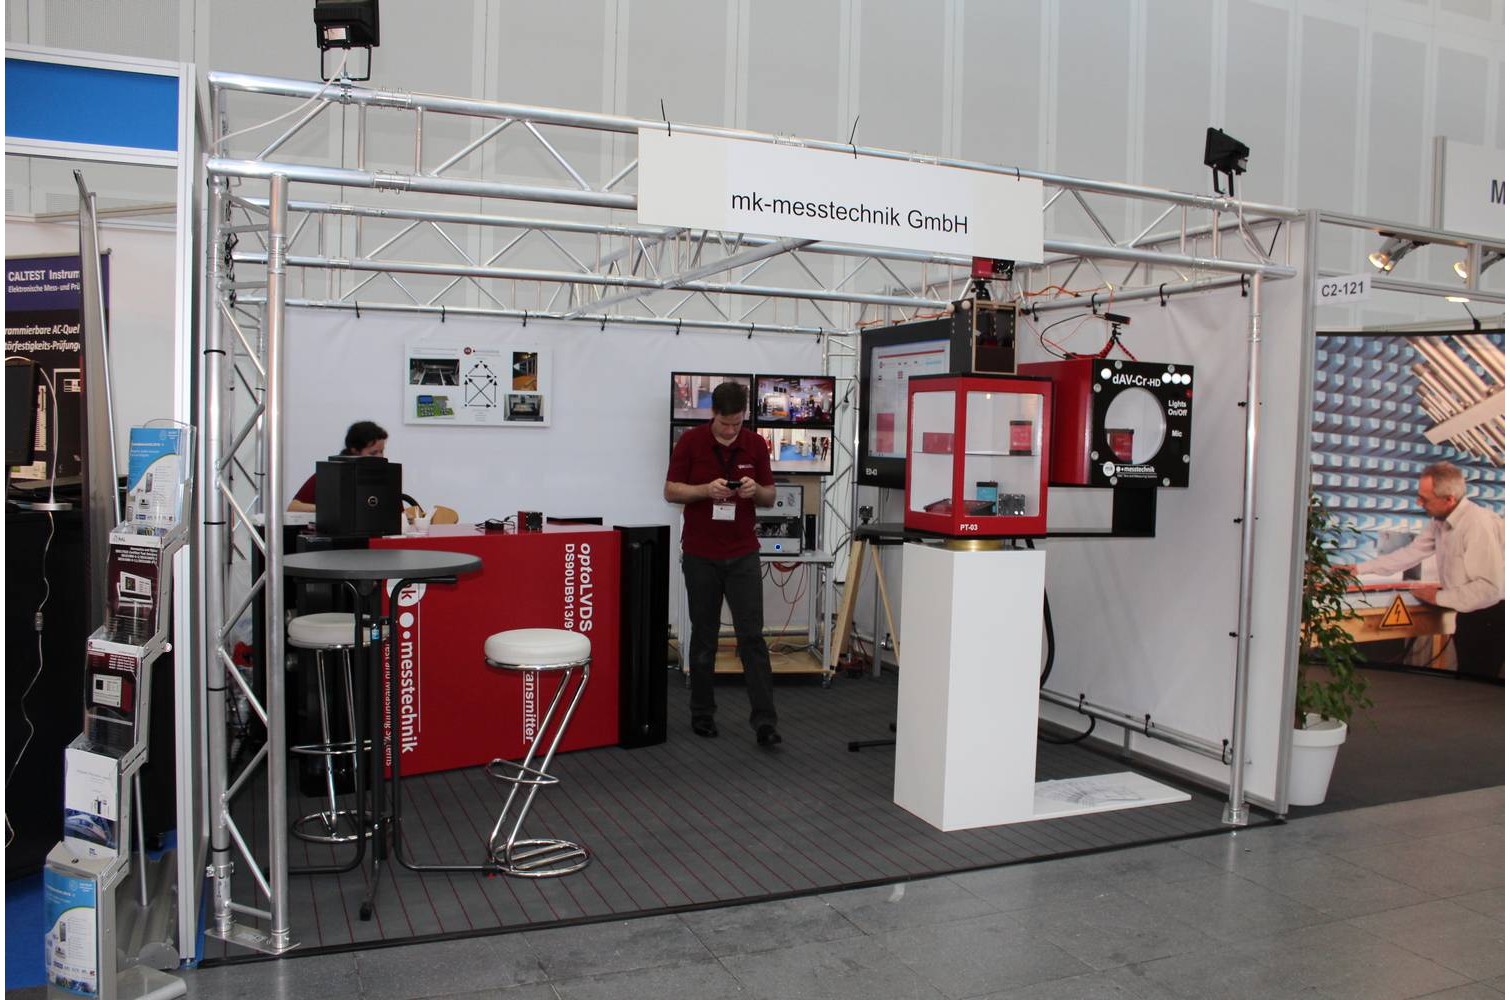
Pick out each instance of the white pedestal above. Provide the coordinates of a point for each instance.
(967, 700)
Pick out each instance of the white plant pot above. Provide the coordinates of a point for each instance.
(1313, 752)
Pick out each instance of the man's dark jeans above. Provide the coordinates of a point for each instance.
(709, 583)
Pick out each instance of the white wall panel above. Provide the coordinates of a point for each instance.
(677, 50)
(274, 38)
(1257, 71)
(1482, 9)
(554, 56)
(1090, 127)
(1328, 126)
(1327, 136)
(900, 55)
(791, 83)
(1396, 133)
(605, 450)
(1462, 92)
(146, 28)
(1002, 63)
(1176, 104)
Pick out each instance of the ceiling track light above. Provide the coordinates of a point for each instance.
(1392, 252)
(1487, 259)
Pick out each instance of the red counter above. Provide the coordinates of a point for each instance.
(456, 711)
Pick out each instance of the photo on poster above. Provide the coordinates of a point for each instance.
(526, 371)
(526, 407)
(434, 371)
(487, 383)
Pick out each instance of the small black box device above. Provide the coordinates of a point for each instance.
(779, 528)
(357, 496)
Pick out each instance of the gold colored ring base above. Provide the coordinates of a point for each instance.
(976, 544)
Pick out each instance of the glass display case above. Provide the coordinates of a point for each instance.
(977, 455)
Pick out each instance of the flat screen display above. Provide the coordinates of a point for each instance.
(889, 357)
(799, 450)
(677, 430)
(20, 412)
(692, 393)
(794, 400)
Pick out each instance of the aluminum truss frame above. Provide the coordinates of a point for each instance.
(276, 227)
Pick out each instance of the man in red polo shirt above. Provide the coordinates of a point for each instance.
(719, 474)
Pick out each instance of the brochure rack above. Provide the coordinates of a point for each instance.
(86, 941)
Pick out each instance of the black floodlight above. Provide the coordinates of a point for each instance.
(1224, 155)
(346, 24)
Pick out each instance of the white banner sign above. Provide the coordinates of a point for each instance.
(1470, 189)
(743, 186)
(1345, 288)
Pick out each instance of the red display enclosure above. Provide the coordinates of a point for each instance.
(978, 455)
(456, 711)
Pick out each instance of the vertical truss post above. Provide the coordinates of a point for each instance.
(1236, 811)
(213, 531)
(272, 491)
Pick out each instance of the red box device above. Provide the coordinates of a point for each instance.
(938, 443)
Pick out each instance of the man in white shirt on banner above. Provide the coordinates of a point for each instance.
(1469, 543)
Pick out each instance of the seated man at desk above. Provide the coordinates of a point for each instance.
(362, 438)
(1469, 543)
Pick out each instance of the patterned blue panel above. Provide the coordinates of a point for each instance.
(1368, 438)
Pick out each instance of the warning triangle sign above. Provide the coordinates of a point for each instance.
(1396, 616)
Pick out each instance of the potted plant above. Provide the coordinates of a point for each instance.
(1329, 687)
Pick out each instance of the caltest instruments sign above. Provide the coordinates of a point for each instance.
(745, 186)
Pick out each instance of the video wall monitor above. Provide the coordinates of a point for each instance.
(803, 451)
(20, 412)
(692, 393)
(677, 430)
(888, 358)
(794, 400)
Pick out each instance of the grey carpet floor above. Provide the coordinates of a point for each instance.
(695, 822)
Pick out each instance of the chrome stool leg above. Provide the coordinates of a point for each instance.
(537, 857)
(332, 825)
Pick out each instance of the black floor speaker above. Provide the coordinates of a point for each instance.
(644, 587)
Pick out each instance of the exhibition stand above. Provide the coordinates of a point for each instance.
(515, 376)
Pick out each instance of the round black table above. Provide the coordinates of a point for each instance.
(365, 570)
(372, 565)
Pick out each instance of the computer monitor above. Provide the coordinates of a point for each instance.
(20, 412)
(692, 393)
(794, 400)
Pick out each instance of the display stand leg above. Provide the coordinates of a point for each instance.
(846, 610)
(967, 704)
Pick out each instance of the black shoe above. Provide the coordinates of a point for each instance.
(767, 736)
(703, 726)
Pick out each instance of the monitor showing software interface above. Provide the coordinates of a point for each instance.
(890, 368)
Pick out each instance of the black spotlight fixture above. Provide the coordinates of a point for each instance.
(1224, 155)
(1392, 252)
(346, 24)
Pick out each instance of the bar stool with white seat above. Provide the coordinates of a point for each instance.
(537, 652)
(325, 634)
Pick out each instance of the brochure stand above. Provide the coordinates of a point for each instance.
(87, 941)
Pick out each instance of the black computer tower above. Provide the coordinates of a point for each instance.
(644, 581)
(357, 496)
